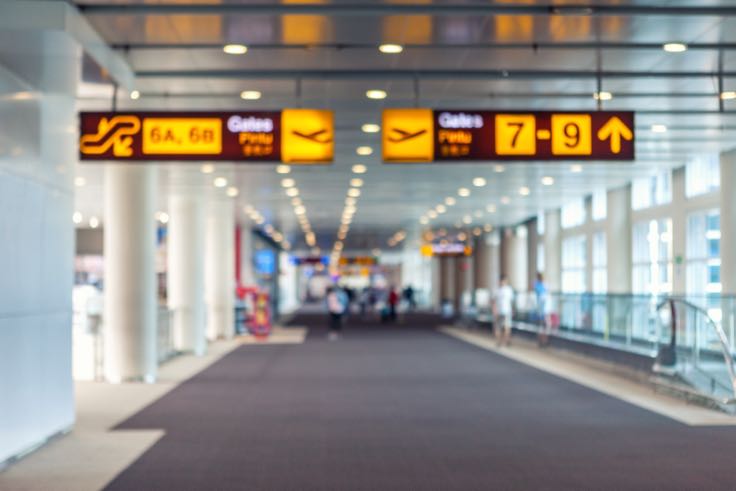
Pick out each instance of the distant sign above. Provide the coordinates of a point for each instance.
(446, 249)
(291, 136)
(358, 261)
(425, 135)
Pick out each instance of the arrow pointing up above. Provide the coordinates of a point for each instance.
(615, 129)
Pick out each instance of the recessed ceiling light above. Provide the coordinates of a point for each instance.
(292, 192)
(548, 180)
(491, 208)
(77, 217)
(349, 201)
(250, 95)
(300, 210)
(207, 169)
(463, 192)
(477, 231)
(728, 95)
(487, 227)
(467, 219)
(94, 222)
(576, 168)
(440, 209)
(295, 200)
(479, 182)
(375, 94)
(283, 169)
(424, 220)
(364, 151)
(524, 191)
(449, 201)
(232, 191)
(235, 49)
(80, 181)
(370, 128)
(659, 128)
(220, 182)
(359, 169)
(432, 214)
(674, 47)
(602, 96)
(505, 200)
(288, 183)
(391, 49)
(356, 182)
(499, 168)
(353, 192)
(135, 94)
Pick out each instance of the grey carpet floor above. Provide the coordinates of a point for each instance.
(407, 408)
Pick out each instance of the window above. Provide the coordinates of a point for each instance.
(652, 257)
(703, 259)
(573, 213)
(540, 223)
(600, 261)
(702, 175)
(599, 205)
(574, 258)
(540, 257)
(651, 191)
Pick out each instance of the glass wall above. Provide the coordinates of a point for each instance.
(600, 261)
(651, 191)
(652, 256)
(703, 259)
(573, 213)
(599, 205)
(574, 259)
(702, 175)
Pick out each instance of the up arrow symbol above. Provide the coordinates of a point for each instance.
(615, 129)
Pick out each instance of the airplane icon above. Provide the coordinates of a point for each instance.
(404, 135)
(315, 136)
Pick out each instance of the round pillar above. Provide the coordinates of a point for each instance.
(220, 268)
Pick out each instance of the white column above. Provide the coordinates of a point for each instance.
(552, 251)
(130, 276)
(728, 223)
(494, 260)
(220, 268)
(247, 275)
(436, 288)
(517, 259)
(186, 271)
(618, 240)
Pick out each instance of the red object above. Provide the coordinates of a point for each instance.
(554, 320)
(393, 297)
(259, 323)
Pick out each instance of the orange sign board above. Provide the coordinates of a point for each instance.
(408, 135)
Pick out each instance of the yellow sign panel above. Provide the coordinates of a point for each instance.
(516, 134)
(408, 135)
(307, 135)
(182, 136)
(571, 134)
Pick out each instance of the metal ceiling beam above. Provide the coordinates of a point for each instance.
(426, 74)
(379, 9)
(499, 46)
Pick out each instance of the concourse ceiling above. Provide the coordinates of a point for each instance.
(310, 54)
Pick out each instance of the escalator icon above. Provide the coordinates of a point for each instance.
(114, 133)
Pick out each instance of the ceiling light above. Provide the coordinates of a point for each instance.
(659, 128)
(288, 183)
(94, 222)
(463, 192)
(356, 182)
(359, 169)
(479, 182)
(478, 213)
(524, 191)
(576, 168)
(220, 182)
(467, 219)
(391, 49)
(353, 192)
(283, 169)
(364, 151)
(477, 231)
(440, 208)
(491, 208)
(248, 209)
(449, 201)
(292, 192)
(232, 191)
(80, 181)
(505, 200)
(462, 236)
(77, 217)
(432, 214)
(296, 201)
(602, 96)
(250, 95)
(350, 201)
(674, 47)
(487, 227)
(728, 95)
(499, 168)
(376, 94)
(424, 220)
(370, 128)
(300, 210)
(207, 169)
(548, 180)
(235, 49)
(136, 94)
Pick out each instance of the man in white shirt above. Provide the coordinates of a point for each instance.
(503, 306)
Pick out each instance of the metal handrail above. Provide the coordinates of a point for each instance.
(726, 351)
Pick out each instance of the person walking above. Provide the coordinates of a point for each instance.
(502, 311)
(393, 301)
(335, 309)
(542, 295)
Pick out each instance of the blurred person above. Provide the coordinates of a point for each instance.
(542, 294)
(409, 297)
(336, 310)
(393, 301)
(502, 311)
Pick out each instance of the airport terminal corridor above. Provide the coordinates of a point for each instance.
(406, 407)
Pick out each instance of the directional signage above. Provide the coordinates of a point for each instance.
(446, 249)
(291, 135)
(425, 135)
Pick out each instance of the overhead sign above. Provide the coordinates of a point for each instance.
(291, 136)
(446, 249)
(425, 135)
(358, 261)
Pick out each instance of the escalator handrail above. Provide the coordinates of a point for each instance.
(726, 351)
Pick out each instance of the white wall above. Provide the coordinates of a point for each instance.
(37, 158)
